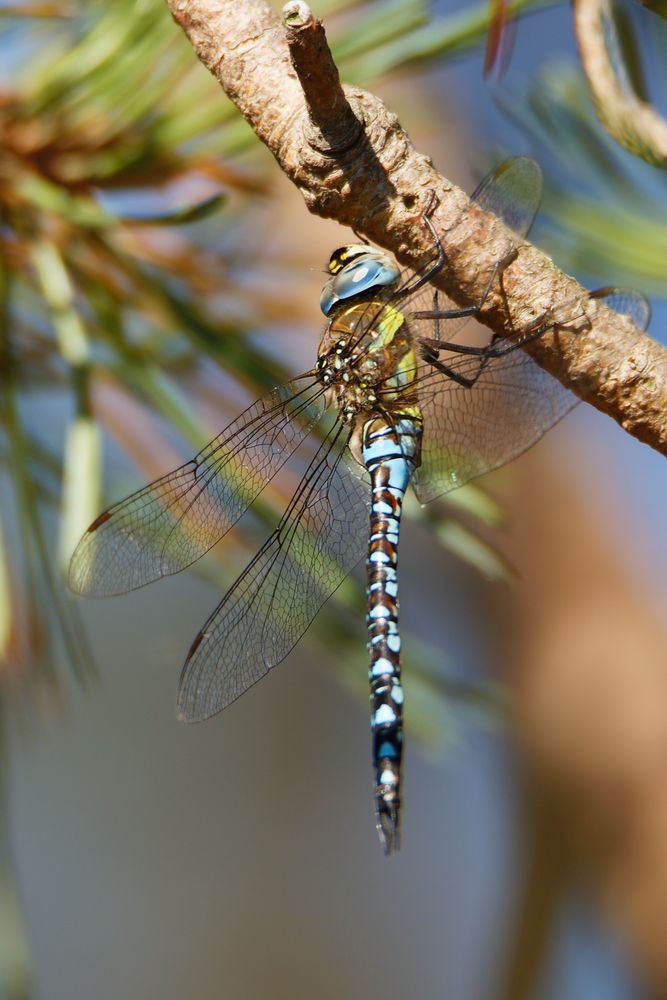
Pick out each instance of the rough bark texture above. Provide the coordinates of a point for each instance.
(378, 184)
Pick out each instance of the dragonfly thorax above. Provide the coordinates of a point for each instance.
(351, 377)
(366, 359)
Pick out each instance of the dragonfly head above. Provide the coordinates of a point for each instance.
(355, 270)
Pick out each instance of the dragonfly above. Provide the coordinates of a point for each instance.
(407, 405)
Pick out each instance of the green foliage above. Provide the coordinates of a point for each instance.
(604, 212)
(406, 35)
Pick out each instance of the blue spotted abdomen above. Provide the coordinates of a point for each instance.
(390, 453)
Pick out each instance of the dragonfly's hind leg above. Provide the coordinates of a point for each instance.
(432, 347)
(429, 354)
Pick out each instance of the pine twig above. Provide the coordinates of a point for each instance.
(334, 126)
(280, 77)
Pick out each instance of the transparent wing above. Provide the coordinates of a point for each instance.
(512, 192)
(627, 301)
(470, 431)
(166, 526)
(321, 537)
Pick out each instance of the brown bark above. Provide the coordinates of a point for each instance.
(586, 654)
(371, 178)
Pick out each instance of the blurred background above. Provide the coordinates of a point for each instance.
(157, 273)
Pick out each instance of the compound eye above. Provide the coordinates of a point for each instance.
(362, 270)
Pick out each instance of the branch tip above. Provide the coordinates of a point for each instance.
(333, 125)
(297, 14)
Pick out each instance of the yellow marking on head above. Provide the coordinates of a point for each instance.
(343, 255)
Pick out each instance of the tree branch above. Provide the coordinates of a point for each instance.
(633, 123)
(333, 125)
(284, 83)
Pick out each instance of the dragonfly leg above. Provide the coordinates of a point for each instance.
(627, 302)
(432, 346)
(440, 255)
(460, 312)
(362, 239)
(541, 326)
(440, 314)
(467, 381)
(485, 354)
(490, 350)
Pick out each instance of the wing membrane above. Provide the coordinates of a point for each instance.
(166, 526)
(470, 431)
(512, 192)
(321, 537)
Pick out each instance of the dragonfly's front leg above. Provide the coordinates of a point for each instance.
(440, 256)
(462, 312)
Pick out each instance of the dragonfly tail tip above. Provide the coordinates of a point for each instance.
(388, 829)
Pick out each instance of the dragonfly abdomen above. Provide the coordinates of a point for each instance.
(390, 453)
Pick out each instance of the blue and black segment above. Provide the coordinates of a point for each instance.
(390, 453)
